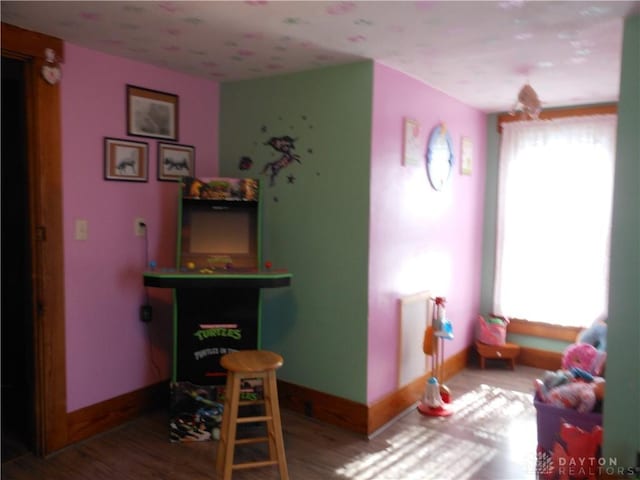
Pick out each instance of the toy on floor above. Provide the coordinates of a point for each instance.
(432, 404)
(492, 330)
(579, 459)
(595, 335)
(585, 357)
(560, 377)
(580, 396)
(436, 394)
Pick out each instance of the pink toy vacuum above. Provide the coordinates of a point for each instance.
(436, 395)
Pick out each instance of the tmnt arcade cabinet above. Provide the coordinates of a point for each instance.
(217, 291)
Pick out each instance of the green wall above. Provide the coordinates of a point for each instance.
(490, 215)
(622, 404)
(315, 223)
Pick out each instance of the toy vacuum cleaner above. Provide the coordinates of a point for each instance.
(436, 395)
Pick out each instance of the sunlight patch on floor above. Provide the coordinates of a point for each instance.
(523, 452)
(488, 412)
(420, 454)
(486, 419)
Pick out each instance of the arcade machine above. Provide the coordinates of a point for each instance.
(216, 285)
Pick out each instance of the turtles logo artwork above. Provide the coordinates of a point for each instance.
(285, 146)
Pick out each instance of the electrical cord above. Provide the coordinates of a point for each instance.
(147, 304)
(146, 258)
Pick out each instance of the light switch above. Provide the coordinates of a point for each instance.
(82, 229)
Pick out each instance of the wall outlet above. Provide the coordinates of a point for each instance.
(139, 227)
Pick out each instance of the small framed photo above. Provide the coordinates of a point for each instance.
(126, 160)
(412, 154)
(176, 161)
(466, 156)
(151, 113)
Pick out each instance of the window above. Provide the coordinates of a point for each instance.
(554, 219)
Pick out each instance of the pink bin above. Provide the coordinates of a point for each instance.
(550, 417)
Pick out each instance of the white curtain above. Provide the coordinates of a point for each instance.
(554, 219)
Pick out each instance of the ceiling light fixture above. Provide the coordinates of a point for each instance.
(528, 102)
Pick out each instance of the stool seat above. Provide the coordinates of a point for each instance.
(251, 361)
(243, 366)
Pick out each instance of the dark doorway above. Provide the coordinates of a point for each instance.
(16, 319)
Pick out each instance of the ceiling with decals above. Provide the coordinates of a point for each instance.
(478, 52)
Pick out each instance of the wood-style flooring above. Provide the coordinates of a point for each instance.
(490, 436)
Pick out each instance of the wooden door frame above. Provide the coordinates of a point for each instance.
(46, 234)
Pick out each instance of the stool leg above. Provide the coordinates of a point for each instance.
(268, 411)
(226, 448)
(274, 425)
(223, 442)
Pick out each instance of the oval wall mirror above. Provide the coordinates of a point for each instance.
(439, 157)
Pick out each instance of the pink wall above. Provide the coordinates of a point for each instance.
(109, 351)
(420, 239)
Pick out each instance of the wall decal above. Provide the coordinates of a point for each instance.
(245, 163)
(285, 145)
(278, 148)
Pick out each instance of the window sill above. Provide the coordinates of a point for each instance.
(543, 330)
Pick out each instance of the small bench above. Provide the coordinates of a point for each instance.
(508, 351)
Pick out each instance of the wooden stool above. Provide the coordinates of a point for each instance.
(244, 365)
(508, 351)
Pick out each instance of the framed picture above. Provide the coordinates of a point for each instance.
(151, 113)
(126, 160)
(466, 156)
(412, 154)
(175, 161)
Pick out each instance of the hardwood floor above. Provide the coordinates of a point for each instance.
(490, 436)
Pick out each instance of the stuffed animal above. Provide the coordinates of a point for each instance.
(557, 378)
(595, 335)
(560, 377)
(578, 395)
(579, 459)
(585, 357)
